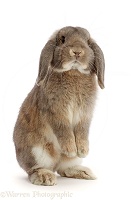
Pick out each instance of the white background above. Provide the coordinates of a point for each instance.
(25, 26)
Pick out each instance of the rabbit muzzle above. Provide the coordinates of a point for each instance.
(76, 52)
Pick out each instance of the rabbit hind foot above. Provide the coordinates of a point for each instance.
(78, 172)
(43, 177)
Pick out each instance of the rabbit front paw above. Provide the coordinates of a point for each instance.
(68, 148)
(82, 148)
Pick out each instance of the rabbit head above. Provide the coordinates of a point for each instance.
(72, 48)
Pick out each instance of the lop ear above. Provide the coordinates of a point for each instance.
(45, 59)
(99, 62)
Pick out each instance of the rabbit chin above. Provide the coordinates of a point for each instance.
(74, 66)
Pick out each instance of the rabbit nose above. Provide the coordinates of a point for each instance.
(76, 53)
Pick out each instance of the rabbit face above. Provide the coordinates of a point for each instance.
(72, 51)
(72, 48)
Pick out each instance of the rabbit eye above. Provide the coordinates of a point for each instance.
(63, 39)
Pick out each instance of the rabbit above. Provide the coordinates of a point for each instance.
(52, 128)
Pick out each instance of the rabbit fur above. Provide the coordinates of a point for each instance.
(51, 131)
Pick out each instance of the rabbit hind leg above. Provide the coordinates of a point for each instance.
(71, 168)
(42, 172)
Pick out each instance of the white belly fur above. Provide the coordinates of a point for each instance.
(74, 114)
(43, 159)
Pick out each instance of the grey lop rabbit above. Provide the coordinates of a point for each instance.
(51, 132)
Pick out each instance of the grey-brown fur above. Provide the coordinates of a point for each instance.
(56, 115)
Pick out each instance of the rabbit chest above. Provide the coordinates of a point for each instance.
(79, 106)
(74, 113)
(73, 96)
